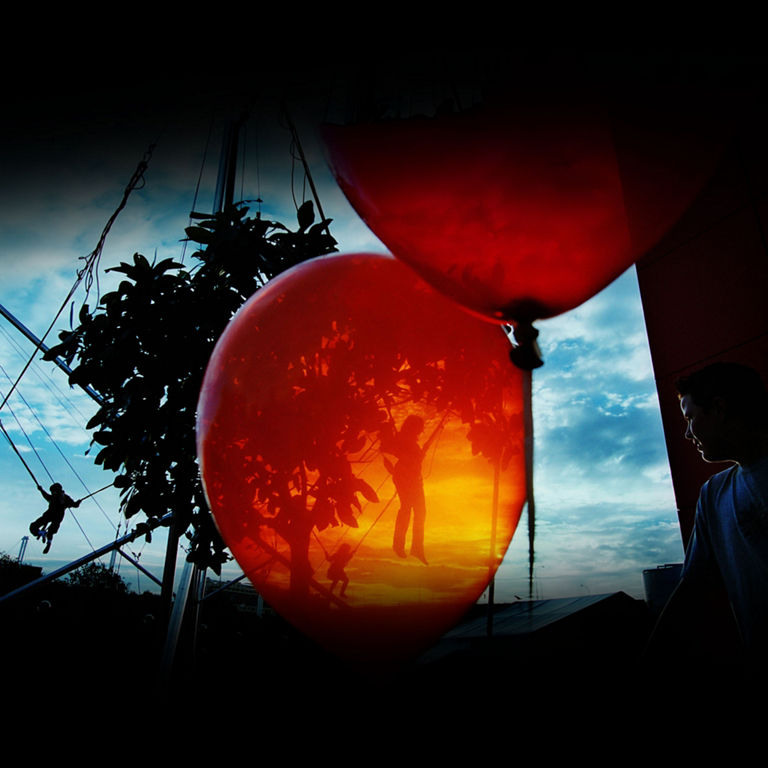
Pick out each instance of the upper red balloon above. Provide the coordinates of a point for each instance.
(520, 214)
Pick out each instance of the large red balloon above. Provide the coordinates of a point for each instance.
(521, 213)
(361, 445)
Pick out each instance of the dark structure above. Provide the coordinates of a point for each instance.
(703, 288)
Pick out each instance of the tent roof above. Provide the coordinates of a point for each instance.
(518, 620)
(525, 616)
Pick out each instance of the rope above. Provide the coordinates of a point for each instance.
(91, 261)
(199, 182)
(55, 391)
(307, 174)
(528, 449)
(31, 445)
(60, 452)
(37, 483)
(85, 535)
(26, 466)
(99, 491)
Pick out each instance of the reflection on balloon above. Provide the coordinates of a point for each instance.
(361, 446)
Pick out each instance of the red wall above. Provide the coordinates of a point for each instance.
(704, 289)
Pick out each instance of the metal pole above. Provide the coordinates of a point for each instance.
(135, 563)
(224, 195)
(176, 619)
(43, 348)
(236, 580)
(135, 534)
(173, 610)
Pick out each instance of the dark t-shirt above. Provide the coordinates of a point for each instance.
(730, 541)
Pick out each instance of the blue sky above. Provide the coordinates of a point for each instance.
(605, 507)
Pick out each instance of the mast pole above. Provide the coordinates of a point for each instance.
(193, 578)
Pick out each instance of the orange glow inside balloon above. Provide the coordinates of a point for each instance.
(361, 445)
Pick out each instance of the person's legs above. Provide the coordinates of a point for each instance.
(401, 527)
(36, 525)
(419, 518)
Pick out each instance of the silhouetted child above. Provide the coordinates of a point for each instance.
(48, 524)
(336, 572)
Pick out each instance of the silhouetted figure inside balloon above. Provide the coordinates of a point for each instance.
(46, 526)
(409, 485)
(336, 572)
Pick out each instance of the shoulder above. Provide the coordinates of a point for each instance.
(717, 482)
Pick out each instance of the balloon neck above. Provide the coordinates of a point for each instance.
(525, 354)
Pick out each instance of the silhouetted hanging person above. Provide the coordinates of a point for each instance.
(48, 523)
(336, 572)
(410, 486)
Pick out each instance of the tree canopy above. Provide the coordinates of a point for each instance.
(145, 348)
(98, 577)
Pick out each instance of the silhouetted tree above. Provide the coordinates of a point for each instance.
(96, 576)
(145, 348)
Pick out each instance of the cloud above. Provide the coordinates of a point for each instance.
(604, 503)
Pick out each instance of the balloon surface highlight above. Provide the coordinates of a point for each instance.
(361, 446)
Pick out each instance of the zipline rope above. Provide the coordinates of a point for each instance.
(29, 441)
(71, 408)
(91, 262)
(16, 450)
(203, 162)
(37, 482)
(58, 448)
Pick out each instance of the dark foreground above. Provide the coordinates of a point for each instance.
(93, 656)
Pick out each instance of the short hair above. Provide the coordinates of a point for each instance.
(412, 425)
(739, 384)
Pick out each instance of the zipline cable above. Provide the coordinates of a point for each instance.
(307, 173)
(195, 196)
(58, 449)
(66, 406)
(62, 399)
(91, 261)
(37, 482)
(31, 445)
(13, 445)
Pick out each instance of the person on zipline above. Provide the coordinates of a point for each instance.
(336, 572)
(48, 523)
(409, 485)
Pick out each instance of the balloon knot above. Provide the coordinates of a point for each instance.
(526, 354)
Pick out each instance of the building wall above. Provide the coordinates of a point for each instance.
(704, 288)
